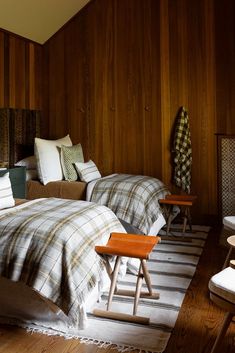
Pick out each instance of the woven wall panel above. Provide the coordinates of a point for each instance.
(228, 176)
(4, 136)
(18, 127)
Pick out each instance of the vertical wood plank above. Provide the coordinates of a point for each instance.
(76, 82)
(151, 136)
(224, 28)
(32, 74)
(39, 77)
(165, 91)
(6, 70)
(12, 67)
(27, 75)
(45, 91)
(211, 167)
(17, 82)
(57, 114)
(2, 76)
(99, 53)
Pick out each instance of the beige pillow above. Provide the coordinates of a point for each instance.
(47, 153)
(69, 156)
(87, 171)
(28, 162)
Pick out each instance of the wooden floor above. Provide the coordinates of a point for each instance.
(195, 330)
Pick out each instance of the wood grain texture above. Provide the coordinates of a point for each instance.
(225, 58)
(57, 88)
(192, 84)
(118, 77)
(20, 72)
(101, 104)
(166, 121)
(195, 331)
(115, 79)
(2, 69)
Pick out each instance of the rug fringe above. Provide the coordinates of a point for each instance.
(118, 347)
(87, 340)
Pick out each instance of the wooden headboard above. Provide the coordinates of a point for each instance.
(18, 128)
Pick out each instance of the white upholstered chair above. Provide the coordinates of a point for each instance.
(229, 223)
(222, 293)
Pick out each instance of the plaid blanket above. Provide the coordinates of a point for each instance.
(50, 246)
(183, 152)
(133, 198)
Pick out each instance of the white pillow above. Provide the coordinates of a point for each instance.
(6, 196)
(47, 153)
(28, 162)
(87, 171)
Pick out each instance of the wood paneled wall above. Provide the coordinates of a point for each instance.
(20, 72)
(117, 74)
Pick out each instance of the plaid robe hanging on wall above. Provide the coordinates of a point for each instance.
(182, 152)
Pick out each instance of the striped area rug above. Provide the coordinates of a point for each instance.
(171, 266)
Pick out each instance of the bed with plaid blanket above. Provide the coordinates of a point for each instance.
(133, 198)
(49, 245)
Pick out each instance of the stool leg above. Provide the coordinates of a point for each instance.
(147, 276)
(108, 266)
(185, 220)
(227, 257)
(138, 290)
(169, 220)
(168, 217)
(226, 322)
(113, 280)
(189, 219)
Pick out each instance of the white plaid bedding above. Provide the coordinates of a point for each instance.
(133, 198)
(50, 246)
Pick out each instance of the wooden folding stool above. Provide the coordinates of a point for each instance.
(128, 245)
(184, 202)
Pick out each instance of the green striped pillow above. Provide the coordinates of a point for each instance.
(87, 171)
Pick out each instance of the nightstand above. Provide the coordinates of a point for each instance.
(18, 181)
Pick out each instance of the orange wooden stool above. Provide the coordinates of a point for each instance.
(184, 202)
(128, 245)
